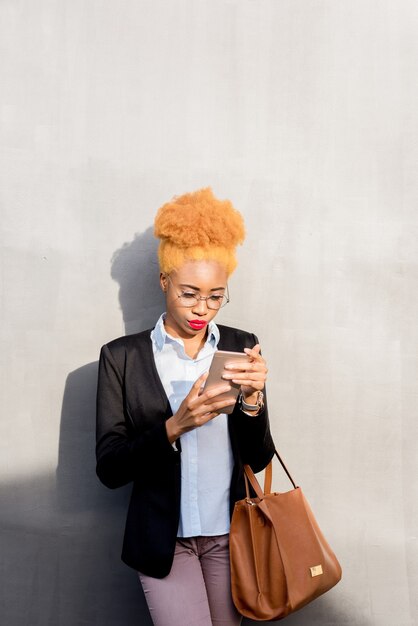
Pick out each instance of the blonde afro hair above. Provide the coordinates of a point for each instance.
(198, 226)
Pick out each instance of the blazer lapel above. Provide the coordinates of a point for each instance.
(154, 372)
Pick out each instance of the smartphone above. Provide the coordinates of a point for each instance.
(217, 368)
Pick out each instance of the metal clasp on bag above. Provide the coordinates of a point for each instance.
(248, 501)
(316, 570)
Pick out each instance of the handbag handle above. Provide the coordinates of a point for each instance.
(268, 475)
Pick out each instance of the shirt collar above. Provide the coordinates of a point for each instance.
(160, 336)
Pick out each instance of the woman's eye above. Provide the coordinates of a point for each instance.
(188, 295)
(216, 298)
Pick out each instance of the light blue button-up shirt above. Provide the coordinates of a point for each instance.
(206, 454)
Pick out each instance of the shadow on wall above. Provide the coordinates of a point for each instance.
(97, 514)
(135, 268)
(62, 535)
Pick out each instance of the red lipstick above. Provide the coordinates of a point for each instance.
(197, 324)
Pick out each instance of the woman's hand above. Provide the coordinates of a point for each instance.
(251, 376)
(197, 408)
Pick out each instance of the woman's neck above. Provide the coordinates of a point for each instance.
(192, 345)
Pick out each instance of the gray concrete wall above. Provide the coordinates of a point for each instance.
(303, 112)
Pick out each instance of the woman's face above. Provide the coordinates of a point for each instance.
(204, 278)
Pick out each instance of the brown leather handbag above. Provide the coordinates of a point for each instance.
(279, 557)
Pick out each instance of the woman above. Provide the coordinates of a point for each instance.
(157, 427)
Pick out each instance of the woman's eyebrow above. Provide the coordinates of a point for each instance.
(198, 289)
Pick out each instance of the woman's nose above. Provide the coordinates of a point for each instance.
(200, 306)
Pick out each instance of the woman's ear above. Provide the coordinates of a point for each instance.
(163, 281)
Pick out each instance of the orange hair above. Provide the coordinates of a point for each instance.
(197, 226)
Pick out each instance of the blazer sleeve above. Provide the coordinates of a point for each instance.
(255, 443)
(122, 454)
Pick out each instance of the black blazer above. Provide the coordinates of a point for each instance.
(132, 445)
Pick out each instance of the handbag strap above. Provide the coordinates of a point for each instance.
(268, 476)
(249, 476)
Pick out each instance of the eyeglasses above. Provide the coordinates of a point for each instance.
(189, 298)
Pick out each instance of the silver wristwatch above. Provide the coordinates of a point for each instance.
(253, 407)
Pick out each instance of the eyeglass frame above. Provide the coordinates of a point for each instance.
(198, 298)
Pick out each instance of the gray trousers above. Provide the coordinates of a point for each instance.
(197, 591)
